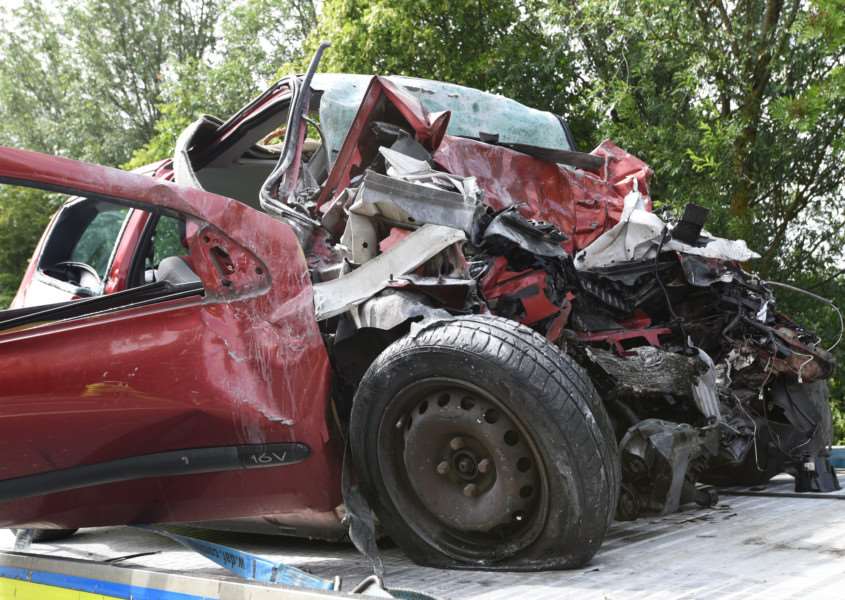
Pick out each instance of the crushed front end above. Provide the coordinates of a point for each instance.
(704, 380)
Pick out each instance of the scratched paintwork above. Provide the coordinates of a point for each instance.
(243, 364)
(246, 363)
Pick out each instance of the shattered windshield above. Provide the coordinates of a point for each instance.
(473, 112)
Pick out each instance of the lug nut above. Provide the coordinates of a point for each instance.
(443, 467)
(456, 443)
(470, 490)
(483, 465)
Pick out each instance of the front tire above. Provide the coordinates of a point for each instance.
(481, 445)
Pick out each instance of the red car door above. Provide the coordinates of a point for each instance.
(194, 399)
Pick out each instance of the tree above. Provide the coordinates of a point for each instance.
(24, 213)
(256, 37)
(500, 46)
(85, 79)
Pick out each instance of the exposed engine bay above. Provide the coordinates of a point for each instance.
(705, 381)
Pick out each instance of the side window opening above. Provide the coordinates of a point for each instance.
(82, 243)
(89, 254)
(165, 252)
(97, 242)
(168, 239)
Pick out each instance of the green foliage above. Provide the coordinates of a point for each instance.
(24, 213)
(86, 78)
(256, 37)
(500, 46)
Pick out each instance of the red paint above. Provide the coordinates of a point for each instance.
(396, 236)
(245, 364)
(582, 205)
(616, 337)
(117, 278)
(357, 149)
(529, 287)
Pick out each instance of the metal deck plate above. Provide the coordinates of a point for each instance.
(746, 547)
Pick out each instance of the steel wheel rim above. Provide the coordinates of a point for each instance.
(466, 509)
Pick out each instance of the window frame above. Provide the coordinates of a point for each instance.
(75, 197)
(73, 201)
(139, 256)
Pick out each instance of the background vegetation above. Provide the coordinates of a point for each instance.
(738, 106)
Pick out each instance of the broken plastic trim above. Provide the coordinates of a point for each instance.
(160, 464)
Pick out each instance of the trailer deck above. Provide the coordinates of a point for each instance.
(745, 547)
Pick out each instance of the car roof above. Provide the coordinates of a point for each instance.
(473, 111)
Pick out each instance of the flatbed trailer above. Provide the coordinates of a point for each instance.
(757, 544)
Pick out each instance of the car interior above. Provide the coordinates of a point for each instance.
(77, 257)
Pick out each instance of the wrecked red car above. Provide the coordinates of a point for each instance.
(403, 287)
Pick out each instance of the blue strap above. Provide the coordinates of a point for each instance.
(249, 566)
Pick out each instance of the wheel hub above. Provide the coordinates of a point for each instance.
(467, 462)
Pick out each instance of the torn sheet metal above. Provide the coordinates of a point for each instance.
(636, 237)
(334, 297)
(704, 392)
(456, 293)
(640, 234)
(391, 308)
(411, 169)
(542, 239)
(413, 204)
(582, 205)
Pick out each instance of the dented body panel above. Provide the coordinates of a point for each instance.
(243, 364)
(405, 210)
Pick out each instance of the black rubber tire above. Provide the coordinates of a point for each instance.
(552, 399)
(43, 536)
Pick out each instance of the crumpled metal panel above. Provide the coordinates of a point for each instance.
(639, 235)
(582, 205)
(245, 364)
(334, 297)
